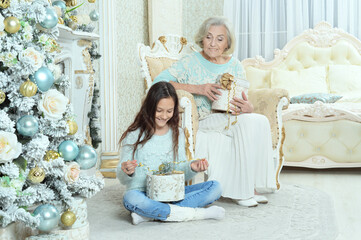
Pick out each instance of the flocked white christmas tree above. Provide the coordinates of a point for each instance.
(40, 156)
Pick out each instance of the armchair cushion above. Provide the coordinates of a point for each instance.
(265, 101)
(258, 78)
(157, 65)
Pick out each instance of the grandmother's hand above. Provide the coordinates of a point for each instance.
(241, 105)
(199, 165)
(129, 167)
(210, 90)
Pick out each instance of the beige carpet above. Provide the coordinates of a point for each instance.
(294, 212)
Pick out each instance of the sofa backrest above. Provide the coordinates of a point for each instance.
(320, 60)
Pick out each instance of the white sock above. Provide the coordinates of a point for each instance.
(183, 214)
(136, 218)
(214, 212)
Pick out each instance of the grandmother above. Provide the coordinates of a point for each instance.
(240, 157)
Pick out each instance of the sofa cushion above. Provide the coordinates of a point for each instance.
(344, 78)
(258, 78)
(310, 80)
(311, 98)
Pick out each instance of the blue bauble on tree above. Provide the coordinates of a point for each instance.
(94, 15)
(87, 157)
(68, 150)
(61, 5)
(43, 78)
(51, 19)
(49, 217)
(27, 125)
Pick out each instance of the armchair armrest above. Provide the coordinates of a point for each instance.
(189, 119)
(271, 102)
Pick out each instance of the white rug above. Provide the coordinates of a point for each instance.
(294, 212)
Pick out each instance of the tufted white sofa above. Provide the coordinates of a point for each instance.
(320, 60)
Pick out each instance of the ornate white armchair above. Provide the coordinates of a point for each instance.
(168, 49)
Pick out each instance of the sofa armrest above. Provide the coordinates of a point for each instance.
(270, 103)
(189, 119)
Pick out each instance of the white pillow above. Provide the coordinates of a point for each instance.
(258, 78)
(310, 80)
(344, 78)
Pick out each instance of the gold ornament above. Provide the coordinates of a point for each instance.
(68, 218)
(60, 21)
(54, 46)
(51, 155)
(74, 18)
(28, 88)
(73, 127)
(91, 1)
(70, 3)
(36, 175)
(2, 97)
(4, 3)
(12, 24)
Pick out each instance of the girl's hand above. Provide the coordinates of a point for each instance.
(241, 105)
(129, 167)
(199, 165)
(210, 90)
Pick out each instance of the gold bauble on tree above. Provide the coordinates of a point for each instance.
(71, 3)
(2, 97)
(12, 24)
(4, 3)
(73, 127)
(36, 175)
(28, 88)
(51, 155)
(91, 1)
(68, 218)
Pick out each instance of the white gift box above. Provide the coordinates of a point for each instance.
(165, 188)
(238, 86)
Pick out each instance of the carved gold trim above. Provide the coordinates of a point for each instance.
(280, 160)
(109, 163)
(82, 72)
(188, 153)
(163, 40)
(109, 174)
(88, 139)
(110, 154)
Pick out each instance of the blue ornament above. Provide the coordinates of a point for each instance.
(49, 217)
(68, 150)
(51, 19)
(94, 15)
(87, 157)
(43, 78)
(27, 125)
(61, 5)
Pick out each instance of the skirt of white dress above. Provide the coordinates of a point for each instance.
(240, 158)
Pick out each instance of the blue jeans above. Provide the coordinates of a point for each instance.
(198, 195)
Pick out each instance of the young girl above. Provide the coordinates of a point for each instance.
(152, 139)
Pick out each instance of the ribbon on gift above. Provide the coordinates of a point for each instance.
(228, 83)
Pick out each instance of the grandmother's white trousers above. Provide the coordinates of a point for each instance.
(240, 158)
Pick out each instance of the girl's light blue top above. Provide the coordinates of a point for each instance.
(195, 69)
(158, 150)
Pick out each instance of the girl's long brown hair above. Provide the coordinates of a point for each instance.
(145, 119)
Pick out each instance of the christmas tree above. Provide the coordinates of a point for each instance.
(40, 153)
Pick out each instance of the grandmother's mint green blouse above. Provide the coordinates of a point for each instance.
(195, 69)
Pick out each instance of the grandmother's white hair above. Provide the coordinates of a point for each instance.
(217, 21)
